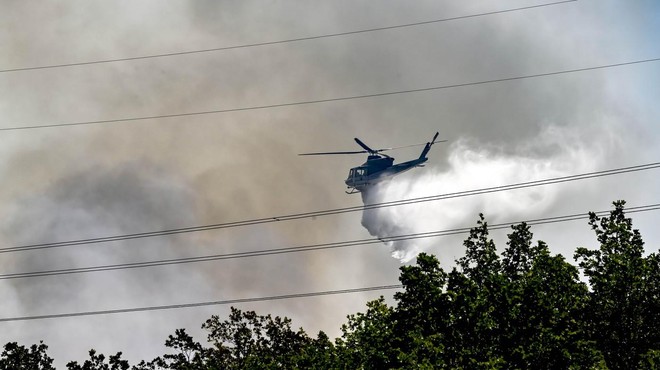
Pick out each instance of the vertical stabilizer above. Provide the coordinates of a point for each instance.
(428, 146)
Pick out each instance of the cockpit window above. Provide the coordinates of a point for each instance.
(357, 172)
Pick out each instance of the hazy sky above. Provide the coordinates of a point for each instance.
(86, 181)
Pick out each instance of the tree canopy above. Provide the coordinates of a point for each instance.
(525, 309)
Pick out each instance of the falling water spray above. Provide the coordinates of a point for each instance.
(469, 168)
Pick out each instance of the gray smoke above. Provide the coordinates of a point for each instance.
(120, 200)
(99, 180)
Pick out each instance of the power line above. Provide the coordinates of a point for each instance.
(201, 304)
(307, 248)
(328, 100)
(287, 296)
(243, 46)
(335, 211)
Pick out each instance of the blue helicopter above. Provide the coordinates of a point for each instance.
(378, 166)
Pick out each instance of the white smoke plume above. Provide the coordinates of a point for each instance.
(470, 167)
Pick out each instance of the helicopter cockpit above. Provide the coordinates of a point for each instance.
(357, 172)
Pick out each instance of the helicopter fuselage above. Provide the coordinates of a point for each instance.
(377, 169)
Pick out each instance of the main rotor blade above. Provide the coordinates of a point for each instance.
(332, 153)
(405, 146)
(410, 146)
(368, 150)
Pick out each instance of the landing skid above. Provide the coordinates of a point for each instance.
(353, 191)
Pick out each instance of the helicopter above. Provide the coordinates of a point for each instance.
(378, 166)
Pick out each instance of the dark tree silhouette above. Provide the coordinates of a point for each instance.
(623, 309)
(18, 357)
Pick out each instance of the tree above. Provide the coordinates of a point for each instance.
(541, 324)
(475, 293)
(550, 331)
(366, 342)
(189, 355)
(422, 314)
(519, 256)
(320, 353)
(97, 362)
(248, 340)
(480, 260)
(517, 263)
(623, 305)
(18, 357)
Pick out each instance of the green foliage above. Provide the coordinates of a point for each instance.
(320, 353)
(519, 256)
(477, 303)
(18, 357)
(480, 260)
(248, 340)
(650, 360)
(526, 310)
(366, 340)
(623, 309)
(188, 355)
(422, 304)
(421, 316)
(97, 362)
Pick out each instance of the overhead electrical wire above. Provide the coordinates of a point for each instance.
(201, 304)
(328, 100)
(264, 298)
(298, 39)
(335, 211)
(311, 247)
